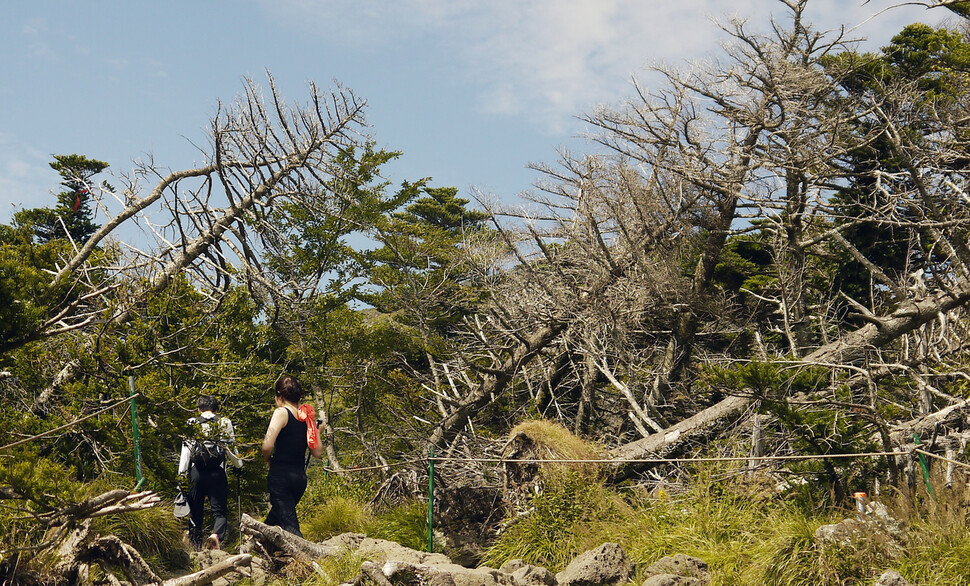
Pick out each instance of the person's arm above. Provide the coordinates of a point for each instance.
(184, 458)
(230, 435)
(317, 452)
(276, 423)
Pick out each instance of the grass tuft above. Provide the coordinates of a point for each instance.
(334, 516)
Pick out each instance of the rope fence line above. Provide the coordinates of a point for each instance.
(939, 457)
(649, 460)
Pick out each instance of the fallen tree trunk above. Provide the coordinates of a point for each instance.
(275, 538)
(676, 439)
(951, 417)
(237, 563)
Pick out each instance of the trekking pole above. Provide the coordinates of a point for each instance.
(431, 499)
(238, 496)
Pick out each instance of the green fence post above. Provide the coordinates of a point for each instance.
(925, 466)
(431, 499)
(134, 432)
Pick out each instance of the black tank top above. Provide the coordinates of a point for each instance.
(290, 450)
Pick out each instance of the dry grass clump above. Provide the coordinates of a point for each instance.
(548, 440)
(553, 440)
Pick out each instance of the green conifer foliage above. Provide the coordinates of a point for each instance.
(72, 216)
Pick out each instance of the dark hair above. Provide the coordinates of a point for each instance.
(207, 403)
(289, 388)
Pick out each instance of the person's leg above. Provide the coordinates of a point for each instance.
(196, 500)
(273, 487)
(218, 489)
(295, 487)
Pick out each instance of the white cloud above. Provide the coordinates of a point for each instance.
(35, 32)
(553, 59)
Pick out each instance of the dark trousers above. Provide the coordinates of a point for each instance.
(210, 483)
(286, 487)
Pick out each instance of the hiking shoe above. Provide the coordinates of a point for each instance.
(212, 542)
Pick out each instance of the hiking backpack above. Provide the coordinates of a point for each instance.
(208, 450)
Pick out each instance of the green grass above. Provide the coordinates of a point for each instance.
(569, 516)
(745, 531)
(406, 524)
(334, 516)
(746, 536)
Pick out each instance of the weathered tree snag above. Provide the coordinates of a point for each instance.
(274, 538)
(69, 539)
(42, 403)
(109, 551)
(494, 383)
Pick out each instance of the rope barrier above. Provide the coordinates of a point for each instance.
(673, 460)
(636, 461)
(327, 469)
(939, 457)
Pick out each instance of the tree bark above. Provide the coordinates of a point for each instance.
(274, 538)
(237, 563)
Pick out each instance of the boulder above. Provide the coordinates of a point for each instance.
(382, 550)
(399, 573)
(876, 526)
(677, 570)
(524, 574)
(534, 576)
(673, 580)
(891, 578)
(607, 564)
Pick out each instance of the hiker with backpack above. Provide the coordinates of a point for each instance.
(292, 430)
(203, 463)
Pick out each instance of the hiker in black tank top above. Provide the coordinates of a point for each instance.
(290, 444)
(284, 449)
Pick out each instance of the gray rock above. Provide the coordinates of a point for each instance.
(607, 564)
(382, 550)
(534, 576)
(409, 574)
(680, 565)
(512, 566)
(891, 578)
(876, 527)
(673, 580)
(348, 541)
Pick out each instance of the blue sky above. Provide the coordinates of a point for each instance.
(470, 91)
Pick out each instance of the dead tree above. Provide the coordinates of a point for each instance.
(214, 223)
(762, 137)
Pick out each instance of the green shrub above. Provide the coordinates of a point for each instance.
(570, 515)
